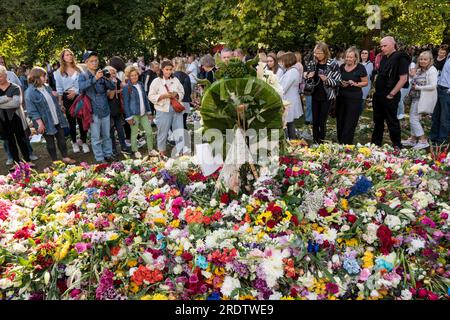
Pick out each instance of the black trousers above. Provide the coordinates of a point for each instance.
(60, 141)
(347, 116)
(320, 111)
(14, 134)
(127, 129)
(73, 121)
(291, 131)
(385, 109)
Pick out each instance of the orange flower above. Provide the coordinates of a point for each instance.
(115, 250)
(192, 216)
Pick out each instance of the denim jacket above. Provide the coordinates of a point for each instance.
(37, 108)
(96, 91)
(131, 102)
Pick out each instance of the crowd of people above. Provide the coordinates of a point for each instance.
(76, 100)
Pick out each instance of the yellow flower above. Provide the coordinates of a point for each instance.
(260, 235)
(287, 298)
(353, 242)
(288, 216)
(180, 251)
(91, 226)
(175, 223)
(249, 208)
(344, 203)
(113, 237)
(132, 263)
(266, 214)
(365, 151)
(160, 221)
(219, 271)
(63, 252)
(156, 296)
(368, 259)
(134, 287)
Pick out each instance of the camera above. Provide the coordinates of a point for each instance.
(106, 73)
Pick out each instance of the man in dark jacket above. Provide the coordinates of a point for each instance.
(392, 77)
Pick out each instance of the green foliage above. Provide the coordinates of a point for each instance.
(264, 107)
(34, 31)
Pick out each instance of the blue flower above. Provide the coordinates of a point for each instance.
(201, 262)
(361, 186)
(214, 296)
(352, 266)
(313, 247)
(90, 192)
(383, 264)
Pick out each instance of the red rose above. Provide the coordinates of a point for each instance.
(294, 220)
(323, 212)
(351, 218)
(271, 223)
(301, 183)
(225, 198)
(422, 293)
(432, 296)
(288, 172)
(332, 288)
(186, 256)
(384, 235)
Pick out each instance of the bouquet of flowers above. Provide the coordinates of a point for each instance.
(335, 222)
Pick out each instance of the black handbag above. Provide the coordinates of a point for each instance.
(309, 86)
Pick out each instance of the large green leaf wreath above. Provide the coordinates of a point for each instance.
(264, 107)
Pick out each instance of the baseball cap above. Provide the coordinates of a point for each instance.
(89, 54)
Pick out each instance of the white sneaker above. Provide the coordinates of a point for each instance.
(85, 148)
(33, 157)
(421, 145)
(76, 147)
(9, 162)
(401, 116)
(141, 143)
(409, 143)
(137, 155)
(128, 143)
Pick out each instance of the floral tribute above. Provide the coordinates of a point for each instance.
(334, 222)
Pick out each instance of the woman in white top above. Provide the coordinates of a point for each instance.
(66, 78)
(369, 69)
(162, 90)
(272, 65)
(424, 97)
(290, 83)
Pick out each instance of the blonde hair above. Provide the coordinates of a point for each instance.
(179, 64)
(429, 56)
(355, 52)
(262, 57)
(3, 70)
(324, 47)
(129, 70)
(34, 78)
(298, 56)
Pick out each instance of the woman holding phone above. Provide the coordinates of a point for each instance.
(327, 78)
(350, 97)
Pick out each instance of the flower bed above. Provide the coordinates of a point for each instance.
(334, 223)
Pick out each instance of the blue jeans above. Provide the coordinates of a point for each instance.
(440, 125)
(401, 106)
(116, 125)
(165, 121)
(100, 137)
(308, 114)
